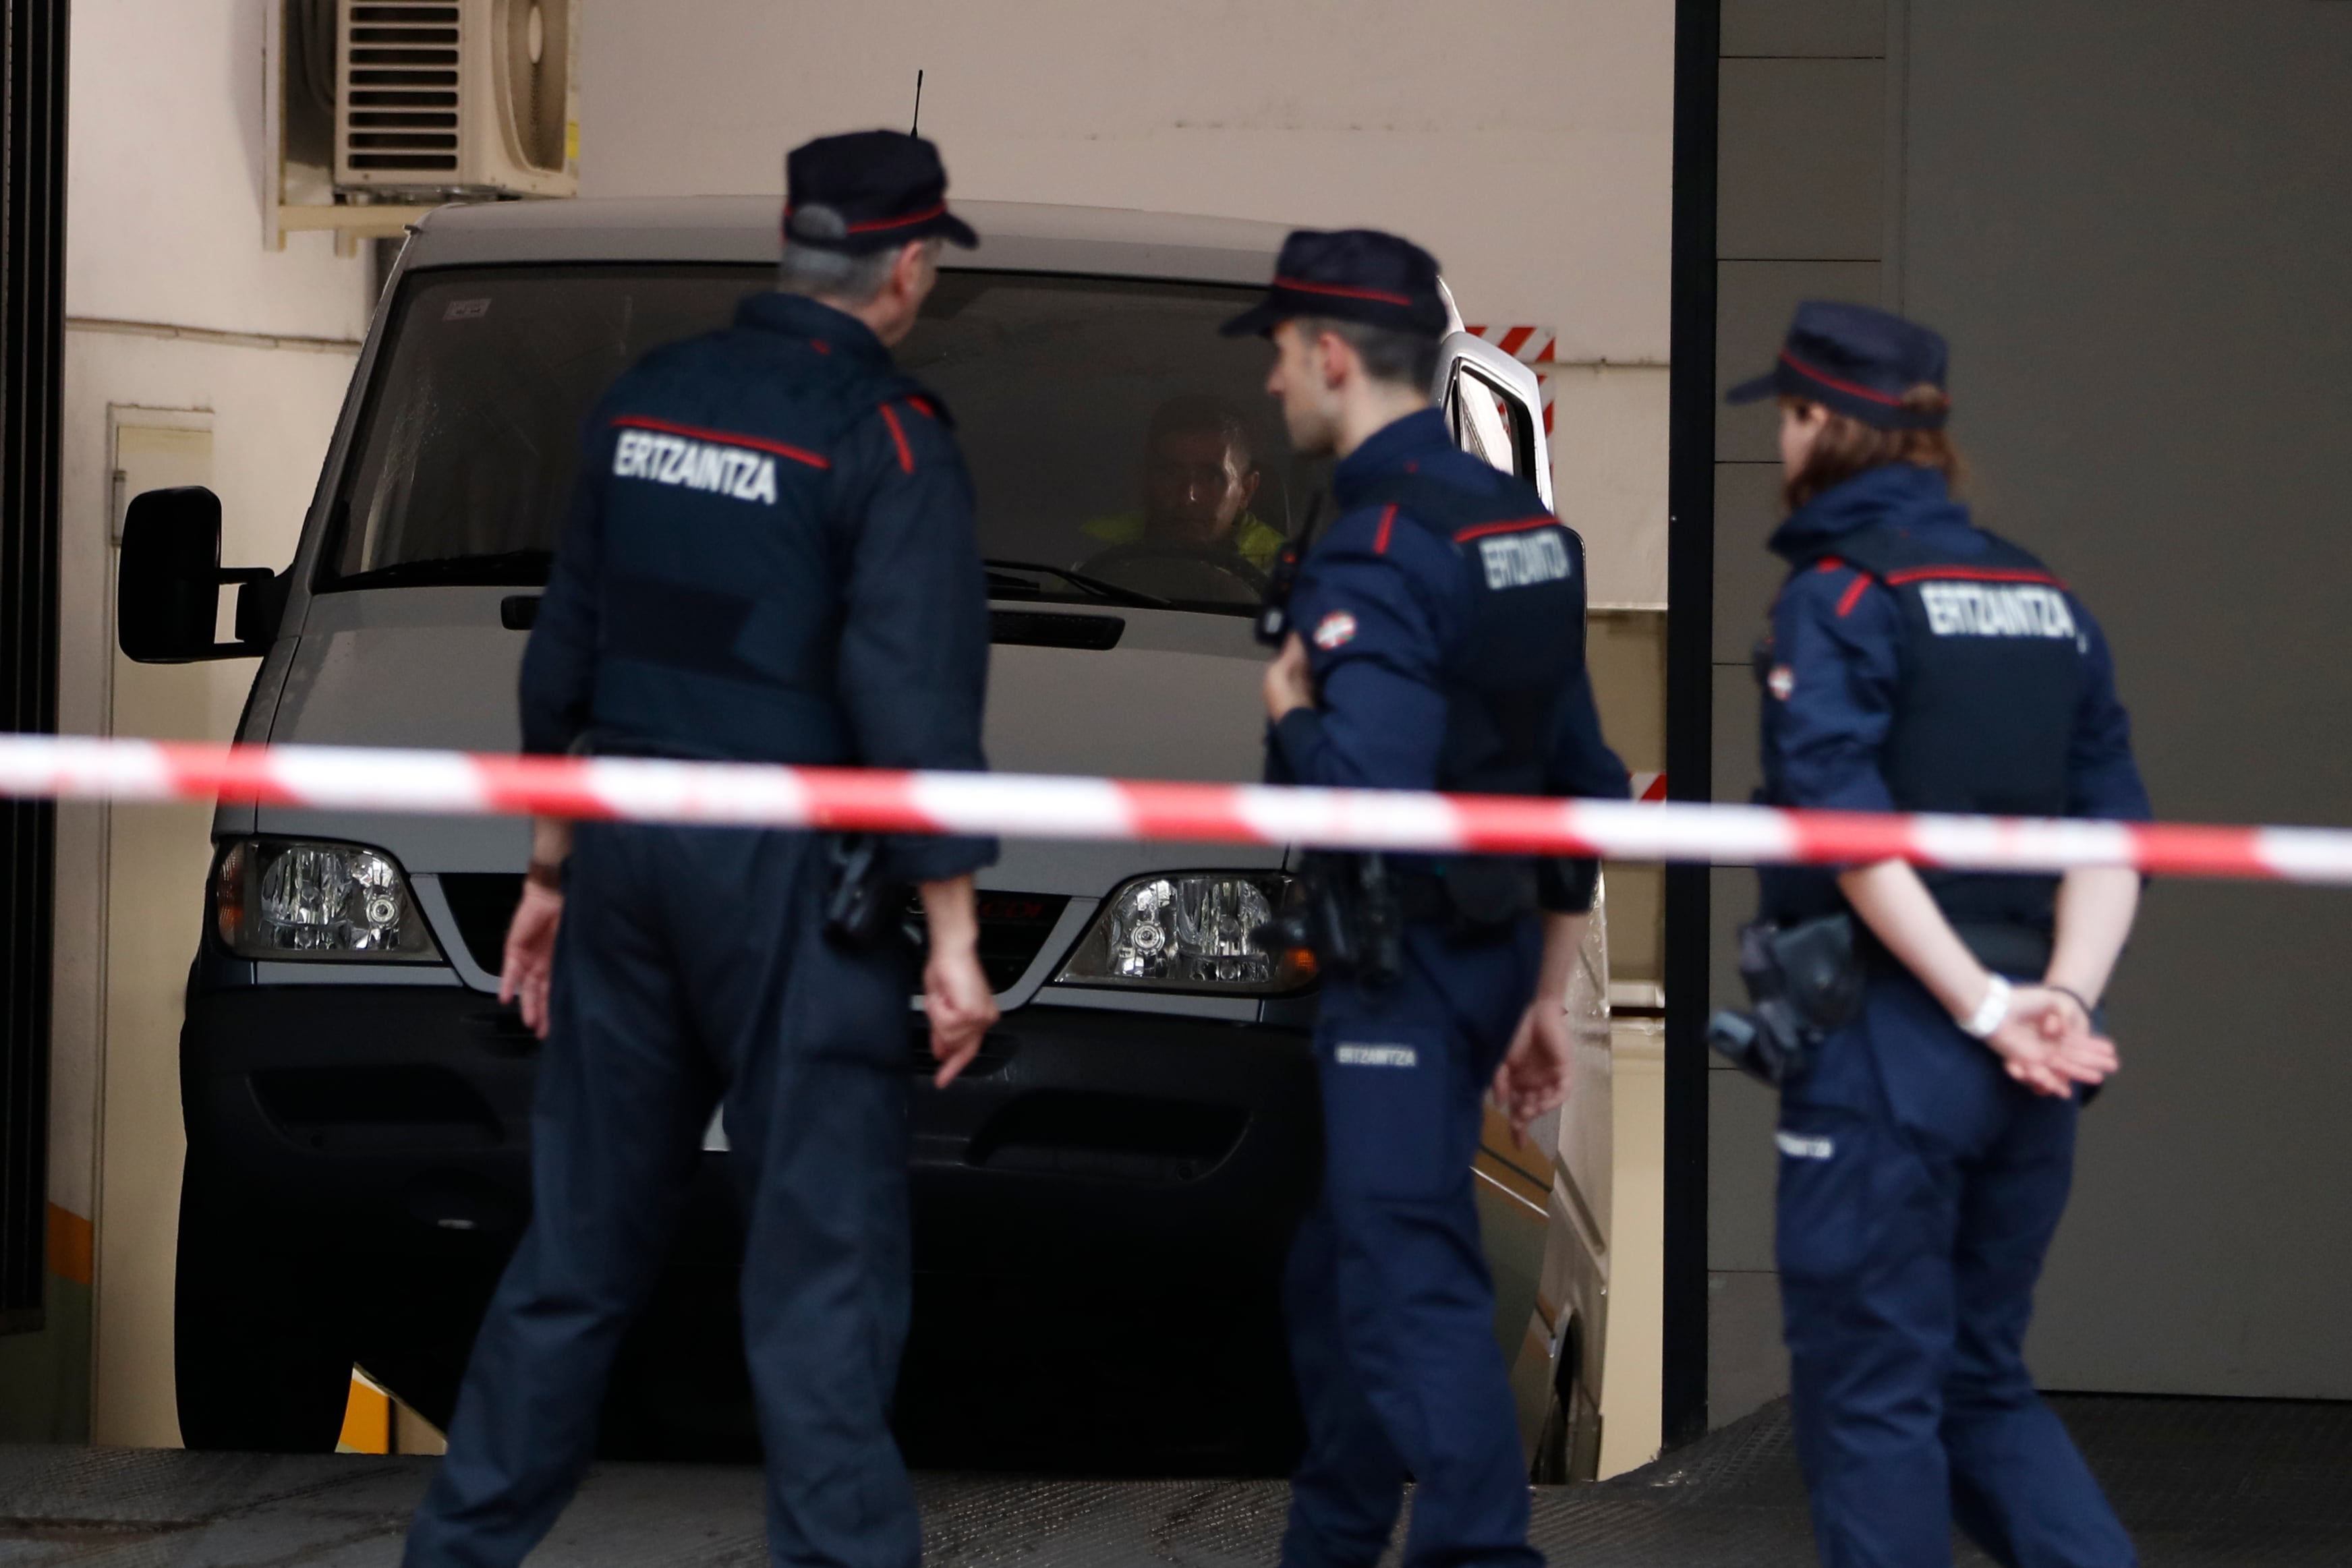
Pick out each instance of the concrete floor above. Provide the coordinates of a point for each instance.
(2199, 1481)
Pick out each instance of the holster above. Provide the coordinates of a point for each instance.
(1351, 916)
(861, 903)
(1474, 896)
(1804, 980)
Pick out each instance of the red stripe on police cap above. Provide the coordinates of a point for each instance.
(1342, 290)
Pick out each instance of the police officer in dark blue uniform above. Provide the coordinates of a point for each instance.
(1443, 648)
(770, 558)
(1918, 664)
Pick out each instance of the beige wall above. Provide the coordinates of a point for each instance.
(1626, 651)
(172, 304)
(164, 178)
(1527, 143)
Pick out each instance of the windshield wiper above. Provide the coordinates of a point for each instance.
(505, 568)
(1094, 586)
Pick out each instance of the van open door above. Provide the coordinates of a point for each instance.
(1493, 407)
(1544, 1204)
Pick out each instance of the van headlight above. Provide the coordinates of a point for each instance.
(278, 898)
(1191, 931)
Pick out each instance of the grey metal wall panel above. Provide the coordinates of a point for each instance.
(2209, 1246)
(2133, 218)
(1742, 1166)
(1746, 1366)
(1736, 701)
(1821, 29)
(1800, 151)
(1746, 575)
(1731, 903)
(1754, 302)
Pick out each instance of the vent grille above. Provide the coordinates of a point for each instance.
(1013, 926)
(403, 91)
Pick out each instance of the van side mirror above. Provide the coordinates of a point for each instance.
(167, 591)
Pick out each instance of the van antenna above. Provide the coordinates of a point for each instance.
(917, 129)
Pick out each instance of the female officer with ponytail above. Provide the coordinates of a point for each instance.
(1918, 664)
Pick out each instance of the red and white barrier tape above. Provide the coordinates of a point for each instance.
(1037, 806)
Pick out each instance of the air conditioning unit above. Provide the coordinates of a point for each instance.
(457, 98)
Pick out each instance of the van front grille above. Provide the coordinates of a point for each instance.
(400, 101)
(483, 902)
(1013, 926)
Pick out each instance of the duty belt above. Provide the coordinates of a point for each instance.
(1475, 894)
(2005, 947)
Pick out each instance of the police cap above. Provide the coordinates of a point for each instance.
(868, 191)
(1353, 275)
(1858, 361)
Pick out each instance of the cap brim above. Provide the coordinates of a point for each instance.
(955, 231)
(1763, 386)
(1259, 321)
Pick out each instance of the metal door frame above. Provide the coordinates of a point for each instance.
(1690, 715)
(32, 330)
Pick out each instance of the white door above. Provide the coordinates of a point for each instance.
(153, 861)
(1492, 404)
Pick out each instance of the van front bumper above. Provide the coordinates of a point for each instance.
(1101, 1205)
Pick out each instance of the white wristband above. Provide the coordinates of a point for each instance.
(1992, 1012)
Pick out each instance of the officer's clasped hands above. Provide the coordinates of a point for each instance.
(2047, 1044)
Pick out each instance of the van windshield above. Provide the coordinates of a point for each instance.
(1110, 432)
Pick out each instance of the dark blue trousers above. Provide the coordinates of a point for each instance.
(691, 966)
(1392, 1311)
(1919, 1191)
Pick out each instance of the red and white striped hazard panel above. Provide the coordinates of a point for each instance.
(1528, 345)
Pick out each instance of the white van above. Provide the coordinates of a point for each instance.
(1102, 1203)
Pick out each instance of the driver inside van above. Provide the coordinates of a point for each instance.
(1199, 475)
